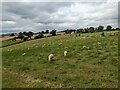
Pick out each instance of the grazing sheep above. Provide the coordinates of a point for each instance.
(88, 47)
(23, 54)
(22, 49)
(72, 32)
(67, 40)
(116, 33)
(60, 44)
(84, 46)
(66, 47)
(65, 53)
(99, 43)
(43, 46)
(9, 50)
(100, 36)
(50, 57)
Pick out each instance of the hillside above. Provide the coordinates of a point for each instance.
(92, 62)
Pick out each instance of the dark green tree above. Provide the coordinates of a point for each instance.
(67, 31)
(91, 29)
(53, 32)
(12, 34)
(100, 28)
(117, 28)
(42, 32)
(47, 31)
(39, 36)
(20, 36)
(30, 34)
(78, 30)
(24, 33)
(109, 28)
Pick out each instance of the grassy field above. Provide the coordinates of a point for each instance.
(92, 62)
(5, 43)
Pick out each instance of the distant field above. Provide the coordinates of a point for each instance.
(92, 62)
(5, 43)
(5, 40)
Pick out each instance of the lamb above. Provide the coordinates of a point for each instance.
(23, 54)
(84, 46)
(60, 44)
(99, 43)
(50, 57)
(72, 32)
(65, 53)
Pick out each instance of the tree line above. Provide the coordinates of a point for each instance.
(90, 29)
(28, 35)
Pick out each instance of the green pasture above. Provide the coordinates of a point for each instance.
(92, 62)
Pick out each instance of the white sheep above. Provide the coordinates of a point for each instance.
(72, 32)
(65, 53)
(98, 43)
(50, 57)
(84, 46)
(60, 44)
(23, 54)
(66, 47)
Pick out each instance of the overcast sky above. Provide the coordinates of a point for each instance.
(38, 16)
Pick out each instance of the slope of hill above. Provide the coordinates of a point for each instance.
(92, 62)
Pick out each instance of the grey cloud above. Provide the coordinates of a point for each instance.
(36, 16)
(31, 10)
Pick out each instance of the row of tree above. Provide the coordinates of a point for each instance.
(25, 35)
(40, 35)
(28, 35)
(53, 32)
(90, 29)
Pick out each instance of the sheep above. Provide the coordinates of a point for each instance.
(72, 32)
(84, 46)
(9, 50)
(65, 53)
(22, 49)
(99, 43)
(60, 44)
(50, 57)
(23, 54)
(66, 47)
(43, 46)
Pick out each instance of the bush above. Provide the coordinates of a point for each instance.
(39, 36)
(53, 32)
(67, 31)
(25, 38)
(102, 34)
(20, 36)
(14, 39)
(91, 29)
(12, 34)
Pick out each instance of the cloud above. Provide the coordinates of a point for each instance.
(38, 16)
